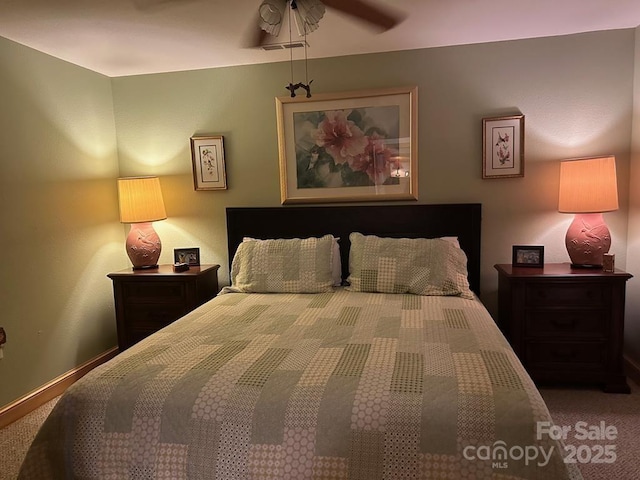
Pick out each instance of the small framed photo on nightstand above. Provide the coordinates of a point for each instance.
(190, 256)
(528, 256)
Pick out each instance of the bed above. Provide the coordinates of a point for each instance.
(290, 376)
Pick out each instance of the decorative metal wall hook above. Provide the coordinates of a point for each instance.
(293, 87)
(307, 87)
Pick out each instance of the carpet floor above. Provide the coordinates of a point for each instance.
(16, 438)
(570, 406)
(567, 407)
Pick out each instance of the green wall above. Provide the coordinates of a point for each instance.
(632, 321)
(58, 211)
(576, 93)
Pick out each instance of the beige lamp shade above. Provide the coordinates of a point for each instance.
(141, 204)
(588, 185)
(140, 200)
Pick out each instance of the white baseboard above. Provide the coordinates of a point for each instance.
(28, 403)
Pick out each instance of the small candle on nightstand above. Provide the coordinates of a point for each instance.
(608, 262)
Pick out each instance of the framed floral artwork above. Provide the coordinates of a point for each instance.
(348, 147)
(207, 154)
(503, 147)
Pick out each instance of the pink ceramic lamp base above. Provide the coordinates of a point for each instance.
(143, 246)
(587, 240)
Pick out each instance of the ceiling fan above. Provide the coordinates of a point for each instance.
(307, 15)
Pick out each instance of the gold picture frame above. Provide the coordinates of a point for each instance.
(209, 170)
(349, 147)
(503, 147)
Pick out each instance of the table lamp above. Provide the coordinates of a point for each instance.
(588, 187)
(141, 203)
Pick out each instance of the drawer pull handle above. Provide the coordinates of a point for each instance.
(564, 323)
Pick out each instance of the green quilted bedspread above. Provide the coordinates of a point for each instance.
(339, 385)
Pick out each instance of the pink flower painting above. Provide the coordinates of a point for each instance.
(347, 148)
(339, 136)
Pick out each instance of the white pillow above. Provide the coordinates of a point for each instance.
(336, 262)
(422, 266)
(296, 265)
(452, 240)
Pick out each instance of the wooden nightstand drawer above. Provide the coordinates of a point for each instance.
(575, 323)
(148, 300)
(566, 294)
(154, 292)
(565, 324)
(148, 317)
(142, 320)
(588, 354)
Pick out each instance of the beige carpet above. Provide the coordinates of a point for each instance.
(567, 406)
(16, 438)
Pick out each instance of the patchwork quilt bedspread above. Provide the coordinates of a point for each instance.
(307, 386)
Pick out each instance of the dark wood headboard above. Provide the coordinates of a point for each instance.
(410, 221)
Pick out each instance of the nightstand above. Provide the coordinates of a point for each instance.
(148, 300)
(565, 324)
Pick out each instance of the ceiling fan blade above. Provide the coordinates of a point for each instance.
(259, 38)
(145, 4)
(155, 4)
(367, 12)
(255, 36)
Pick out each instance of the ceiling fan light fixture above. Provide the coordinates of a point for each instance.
(271, 13)
(307, 14)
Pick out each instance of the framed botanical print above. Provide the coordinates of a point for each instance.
(503, 147)
(207, 155)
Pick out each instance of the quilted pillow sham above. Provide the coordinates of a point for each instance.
(422, 266)
(336, 262)
(283, 265)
